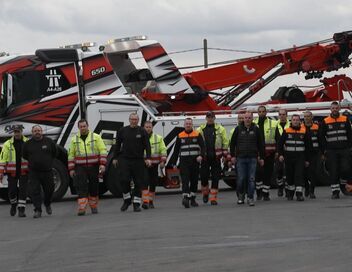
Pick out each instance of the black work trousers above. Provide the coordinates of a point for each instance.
(294, 165)
(132, 169)
(189, 170)
(151, 178)
(210, 166)
(264, 174)
(87, 180)
(38, 181)
(338, 164)
(17, 189)
(311, 173)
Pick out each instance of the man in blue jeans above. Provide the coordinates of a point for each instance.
(247, 146)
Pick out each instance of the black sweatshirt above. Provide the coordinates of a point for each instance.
(131, 143)
(40, 154)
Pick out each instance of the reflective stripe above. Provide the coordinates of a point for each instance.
(192, 194)
(336, 132)
(190, 153)
(299, 189)
(290, 187)
(126, 196)
(266, 188)
(294, 142)
(335, 139)
(190, 146)
(335, 186)
(137, 200)
(291, 148)
(314, 138)
(315, 145)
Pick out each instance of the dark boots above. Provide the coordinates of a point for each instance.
(126, 203)
(21, 212)
(194, 202)
(13, 209)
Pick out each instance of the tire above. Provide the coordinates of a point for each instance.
(229, 177)
(61, 180)
(4, 194)
(346, 187)
(112, 181)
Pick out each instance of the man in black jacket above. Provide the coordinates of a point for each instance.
(40, 152)
(247, 144)
(190, 149)
(131, 143)
(294, 147)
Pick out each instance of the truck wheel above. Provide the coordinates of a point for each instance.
(112, 181)
(229, 177)
(4, 194)
(61, 180)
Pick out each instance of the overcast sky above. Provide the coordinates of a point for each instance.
(178, 25)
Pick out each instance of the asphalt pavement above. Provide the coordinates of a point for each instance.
(314, 235)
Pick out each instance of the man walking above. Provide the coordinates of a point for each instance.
(267, 128)
(86, 160)
(158, 158)
(189, 148)
(311, 175)
(16, 168)
(216, 147)
(40, 152)
(247, 145)
(336, 142)
(293, 147)
(131, 143)
(279, 166)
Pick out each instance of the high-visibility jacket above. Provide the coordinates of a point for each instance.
(281, 129)
(8, 159)
(314, 132)
(336, 133)
(158, 149)
(269, 134)
(295, 140)
(90, 152)
(221, 141)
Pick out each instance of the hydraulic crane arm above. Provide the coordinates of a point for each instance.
(249, 74)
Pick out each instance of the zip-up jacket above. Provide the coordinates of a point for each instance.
(335, 133)
(294, 140)
(219, 143)
(10, 163)
(158, 149)
(88, 152)
(313, 133)
(189, 145)
(131, 142)
(247, 142)
(267, 128)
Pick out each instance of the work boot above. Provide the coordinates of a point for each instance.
(136, 207)
(213, 203)
(240, 200)
(21, 212)
(81, 212)
(48, 210)
(13, 209)
(37, 214)
(289, 195)
(299, 197)
(259, 194)
(335, 195)
(266, 197)
(185, 202)
(250, 202)
(145, 205)
(280, 192)
(205, 198)
(312, 196)
(126, 203)
(194, 202)
(94, 210)
(151, 205)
